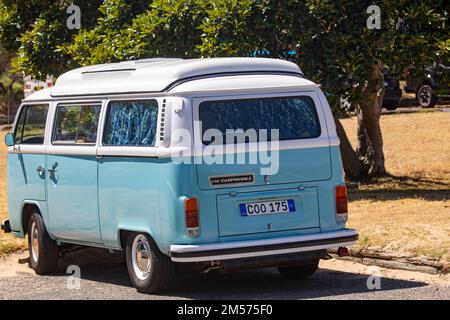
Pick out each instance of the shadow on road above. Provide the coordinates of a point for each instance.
(101, 267)
(268, 284)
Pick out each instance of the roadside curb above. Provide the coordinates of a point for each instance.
(389, 261)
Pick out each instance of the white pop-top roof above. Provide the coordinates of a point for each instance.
(156, 75)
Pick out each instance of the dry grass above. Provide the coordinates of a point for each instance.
(7, 242)
(409, 212)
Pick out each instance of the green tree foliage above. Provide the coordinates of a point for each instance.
(335, 47)
(34, 29)
(11, 88)
(164, 28)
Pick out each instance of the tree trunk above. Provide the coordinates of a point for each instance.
(352, 165)
(370, 139)
(361, 147)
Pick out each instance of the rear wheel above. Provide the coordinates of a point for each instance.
(299, 272)
(43, 250)
(426, 97)
(149, 270)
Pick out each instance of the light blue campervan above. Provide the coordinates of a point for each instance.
(157, 157)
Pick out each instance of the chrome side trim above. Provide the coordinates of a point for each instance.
(72, 150)
(27, 149)
(159, 152)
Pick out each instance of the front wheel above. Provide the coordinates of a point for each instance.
(299, 272)
(149, 270)
(42, 249)
(426, 97)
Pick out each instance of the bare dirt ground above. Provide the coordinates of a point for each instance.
(408, 213)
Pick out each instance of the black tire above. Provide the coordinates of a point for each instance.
(299, 272)
(426, 96)
(42, 249)
(158, 274)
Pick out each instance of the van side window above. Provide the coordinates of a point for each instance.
(30, 127)
(76, 124)
(293, 117)
(131, 123)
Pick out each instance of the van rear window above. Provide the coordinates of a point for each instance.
(294, 117)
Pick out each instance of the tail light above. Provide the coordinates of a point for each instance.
(191, 215)
(341, 203)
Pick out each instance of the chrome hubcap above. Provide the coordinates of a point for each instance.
(34, 234)
(140, 256)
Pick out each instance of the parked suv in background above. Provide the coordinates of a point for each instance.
(434, 84)
(392, 93)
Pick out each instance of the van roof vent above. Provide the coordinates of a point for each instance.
(109, 70)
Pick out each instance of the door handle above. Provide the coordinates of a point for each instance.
(40, 170)
(53, 169)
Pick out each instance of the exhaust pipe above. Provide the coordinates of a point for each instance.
(214, 265)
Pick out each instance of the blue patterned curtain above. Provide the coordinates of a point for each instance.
(132, 123)
(294, 117)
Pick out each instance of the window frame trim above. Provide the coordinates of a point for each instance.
(323, 131)
(22, 107)
(75, 104)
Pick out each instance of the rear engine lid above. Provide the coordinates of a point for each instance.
(262, 140)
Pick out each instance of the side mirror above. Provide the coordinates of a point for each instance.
(9, 139)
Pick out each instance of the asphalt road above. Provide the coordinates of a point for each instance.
(108, 280)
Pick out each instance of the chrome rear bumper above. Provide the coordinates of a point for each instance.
(264, 247)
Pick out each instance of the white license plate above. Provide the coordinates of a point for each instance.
(267, 207)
